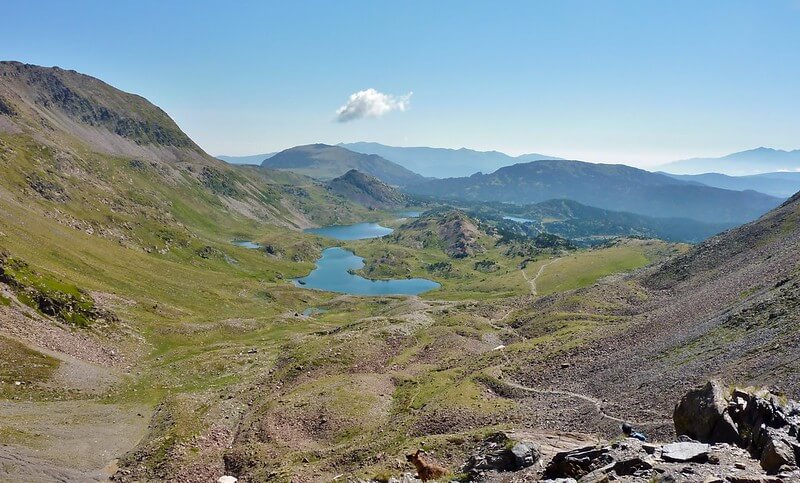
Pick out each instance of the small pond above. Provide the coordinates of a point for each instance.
(517, 219)
(358, 231)
(333, 274)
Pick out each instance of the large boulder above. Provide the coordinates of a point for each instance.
(769, 426)
(702, 414)
(766, 424)
(500, 453)
(776, 454)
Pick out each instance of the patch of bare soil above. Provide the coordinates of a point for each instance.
(66, 440)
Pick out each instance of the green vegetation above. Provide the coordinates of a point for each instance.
(46, 294)
(586, 267)
(23, 370)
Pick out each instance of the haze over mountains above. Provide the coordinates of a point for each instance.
(766, 170)
(754, 161)
(781, 184)
(612, 187)
(444, 162)
(254, 159)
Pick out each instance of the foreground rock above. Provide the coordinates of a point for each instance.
(633, 461)
(724, 436)
(500, 453)
(702, 414)
(766, 424)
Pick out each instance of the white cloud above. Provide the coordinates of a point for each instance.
(371, 103)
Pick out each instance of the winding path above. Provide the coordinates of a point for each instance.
(598, 404)
(583, 397)
(591, 400)
(539, 273)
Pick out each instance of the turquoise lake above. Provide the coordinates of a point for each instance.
(518, 220)
(333, 274)
(359, 231)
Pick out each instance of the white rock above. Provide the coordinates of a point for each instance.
(227, 479)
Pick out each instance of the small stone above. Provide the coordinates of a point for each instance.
(227, 479)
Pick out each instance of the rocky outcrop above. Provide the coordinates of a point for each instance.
(702, 414)
(453, 231)
(725, 436)
(49, 296)
(500, 453)
(767, 425)
(685, 461)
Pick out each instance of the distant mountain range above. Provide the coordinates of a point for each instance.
(443, 162)
(611, 187)
(325, 162)
(782, 184)
(255, 159)
(754, 161)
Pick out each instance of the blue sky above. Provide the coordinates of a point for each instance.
(640, 82)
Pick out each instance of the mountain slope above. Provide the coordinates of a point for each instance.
(726, 309)
(70, 140)
(780, 184)
(612, 187)
(367, 191)
(443, 162)
(582, 223)
(754, 161)
(255, 159)
(325, 162)
(115, 246)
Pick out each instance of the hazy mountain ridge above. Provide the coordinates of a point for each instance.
(443, 162)
(253, 159)
(753, 161)
(781, 184)
(325, 162)
(611, 187)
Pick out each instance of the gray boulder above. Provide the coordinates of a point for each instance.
(776, 454)
(499, 453)
(702, 414)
